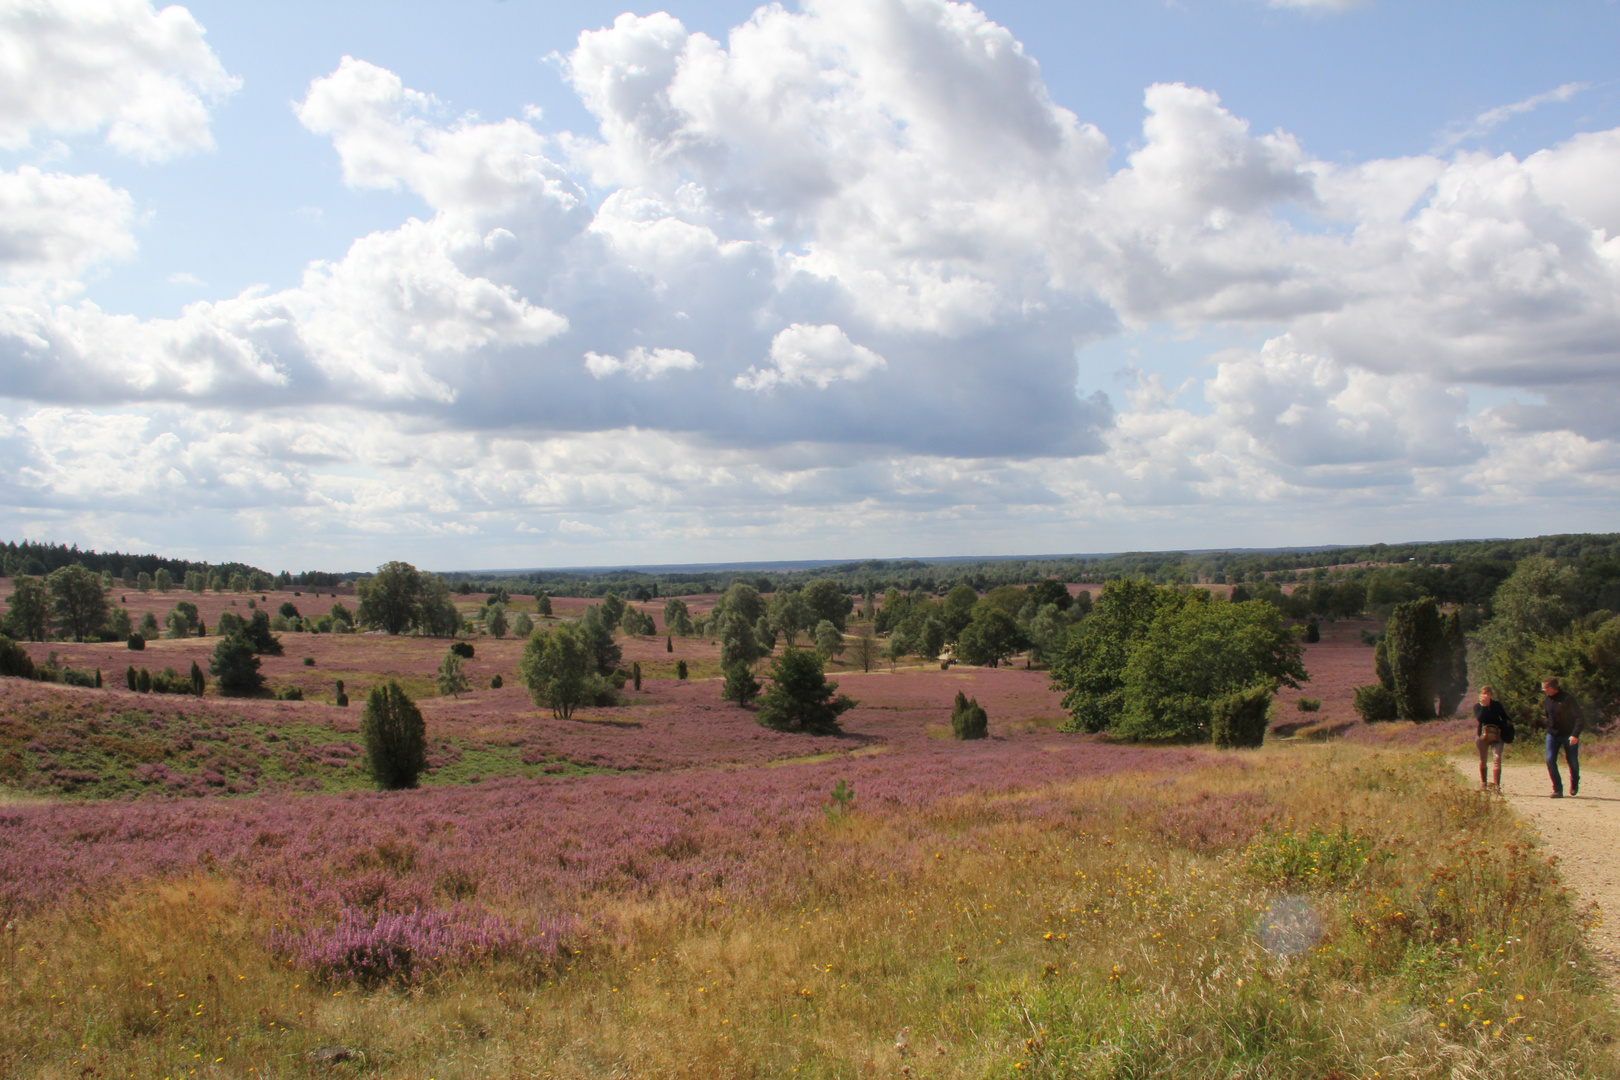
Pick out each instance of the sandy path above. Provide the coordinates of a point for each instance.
(1584, 832)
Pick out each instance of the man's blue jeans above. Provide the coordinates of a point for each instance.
(1572, 754)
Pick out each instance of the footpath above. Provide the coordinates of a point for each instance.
(1584, 832)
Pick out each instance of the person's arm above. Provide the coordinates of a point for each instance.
(1580, 722)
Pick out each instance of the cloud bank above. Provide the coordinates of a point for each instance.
(835, 278)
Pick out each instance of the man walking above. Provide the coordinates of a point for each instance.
(1561, 716)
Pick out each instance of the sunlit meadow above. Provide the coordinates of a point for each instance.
(663, 888)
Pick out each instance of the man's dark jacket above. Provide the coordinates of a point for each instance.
(1561, 714)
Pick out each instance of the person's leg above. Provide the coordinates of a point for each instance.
(1496, 766)
(1572, 754)
(1484, 748)
(1553, 744)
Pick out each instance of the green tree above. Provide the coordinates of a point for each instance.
(677, 619)
(28, 616)
(257, 631)
(523, 626)
(196, 582)
(800, 698)
(1050, 591)
(827, 602)
(558, 667)
(117, 627)
(789, 614)
(495, 620)
(163, 579)
(898, 648)
(395, 737)
(605, 652)
(959, 604)
(829, 640)
(1197, 650)
(738, 645)
(1091, 670)
(1047, 632)
(612, 608)
(863, 649)
(143, 581)
(198, 682)
(389, 599)
(235, 666)
(149, 627)
(436, 614)
(452, 681)
(77, 601)
(1427, 662)
(1535, 604)
(542, 603)
(990, 637)
(341, 615)
(740, 685)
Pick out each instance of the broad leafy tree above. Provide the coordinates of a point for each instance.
(990, 637)
(1198, 650)
(389, 598)
(77, 601)
(827, 601)
(28, 617)
(558, 668)
(1091, 671)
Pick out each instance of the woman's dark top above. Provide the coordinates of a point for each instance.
(1493, 714)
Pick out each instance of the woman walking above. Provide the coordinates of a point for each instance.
(1494, 731)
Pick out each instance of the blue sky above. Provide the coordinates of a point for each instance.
(521, 284)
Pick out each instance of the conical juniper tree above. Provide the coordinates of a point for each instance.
(395, 737)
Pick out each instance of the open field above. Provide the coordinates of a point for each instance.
(207, 887)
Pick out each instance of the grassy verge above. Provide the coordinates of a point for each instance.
(1302, 911)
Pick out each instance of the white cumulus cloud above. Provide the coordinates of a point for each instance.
(72, 67)
(814, 355)
(640, 363)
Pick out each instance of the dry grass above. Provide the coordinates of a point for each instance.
(1104, 928)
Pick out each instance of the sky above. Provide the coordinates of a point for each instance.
(510, 284)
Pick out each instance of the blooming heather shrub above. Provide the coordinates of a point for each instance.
(395, 737)
(1239, 719)
(1211, 822)
(968, 718)
(371, 947)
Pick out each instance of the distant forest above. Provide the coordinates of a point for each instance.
(1455, 571)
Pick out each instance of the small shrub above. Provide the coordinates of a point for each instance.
(968, 718)
(1239, 720)
(131, 677)
(395, 737)
(1313, 632)
(290, 693)
(75, 677)
(669, 643)
(14, 659)
(680, 669)
(309, 661)
(496, 683)
(1376, 703)
(842, 796)
(1313, 857)
(143, 681)
(1309, 704)
(463, 649)
(635, 673)
(135, 642)
(198, 682)
(342, 699)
